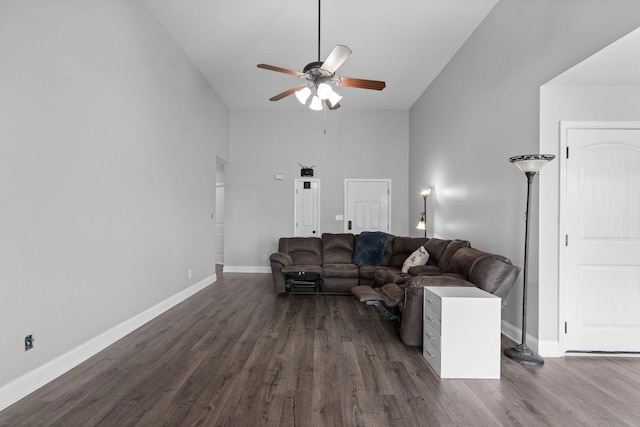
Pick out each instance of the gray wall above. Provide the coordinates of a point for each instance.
(108, 144)
(341, 144)
(485, 107)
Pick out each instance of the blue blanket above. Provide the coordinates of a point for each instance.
(370, 248)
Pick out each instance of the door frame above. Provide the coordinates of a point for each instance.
(563, 298)
(346, 199)
(295, 204)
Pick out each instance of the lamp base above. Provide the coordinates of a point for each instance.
(523, 354)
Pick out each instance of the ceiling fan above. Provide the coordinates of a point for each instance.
(320, 77)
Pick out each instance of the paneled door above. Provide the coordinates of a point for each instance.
(601, 245)
(307, 208)
(367, 205)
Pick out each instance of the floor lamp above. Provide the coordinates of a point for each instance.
(422, 225)
(530, 164)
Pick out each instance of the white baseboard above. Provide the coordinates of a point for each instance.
(33, 380)
(245, 269)
(550, 349)
(515, 334)
(544, 348)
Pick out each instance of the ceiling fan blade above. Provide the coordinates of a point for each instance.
(336, 58)
(334, 107)
(286, 93)
(362, 83)
(281, 70)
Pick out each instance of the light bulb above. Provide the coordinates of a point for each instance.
(324, 91)
(316, 103)
(303, 94)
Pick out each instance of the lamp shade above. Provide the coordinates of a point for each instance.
(324, 91)
(303, 94)
(531, 162)
(316, 103)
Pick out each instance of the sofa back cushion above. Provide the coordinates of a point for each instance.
(444, 262)
(463, 260)
(337, 248)
(302, 250)
(436, 248)
(403, 247)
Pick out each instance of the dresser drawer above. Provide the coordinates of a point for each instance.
(433, 302)
(432, 356)
(432, 337)
(432, 319)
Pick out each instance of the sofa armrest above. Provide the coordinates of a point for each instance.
(278, 261)
(281, 258)
(411, 323)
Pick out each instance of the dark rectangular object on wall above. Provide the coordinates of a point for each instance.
(306, 172)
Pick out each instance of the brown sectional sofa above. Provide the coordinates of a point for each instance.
(332, 258)
(399, 295)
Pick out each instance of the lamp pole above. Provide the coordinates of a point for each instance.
(422, 225)
(530, 164)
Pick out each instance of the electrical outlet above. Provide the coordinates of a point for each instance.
(264, 257)
(189, 273)
(339, 217)
(28, 342)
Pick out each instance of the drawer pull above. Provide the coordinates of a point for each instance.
(429, 353)
(429, 301)
(428, 335)
(429, 318)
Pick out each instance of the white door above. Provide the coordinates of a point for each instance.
(307, 208)
(367, 205)
(601, 218)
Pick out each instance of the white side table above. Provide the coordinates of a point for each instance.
(461, 333)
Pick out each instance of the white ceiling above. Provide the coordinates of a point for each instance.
(405, 43)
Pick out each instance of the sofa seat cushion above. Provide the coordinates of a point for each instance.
(340, 270)
(367, 272)
(425, 270)
(382, 276)
(306, 268)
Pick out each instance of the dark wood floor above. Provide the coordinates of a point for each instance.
(237, 355)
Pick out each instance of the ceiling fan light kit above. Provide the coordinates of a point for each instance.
(321, 79)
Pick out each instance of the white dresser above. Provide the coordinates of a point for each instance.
(462, 332)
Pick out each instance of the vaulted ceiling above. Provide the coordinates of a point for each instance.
(405, 43)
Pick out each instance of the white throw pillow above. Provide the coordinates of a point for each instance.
(419, 257)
